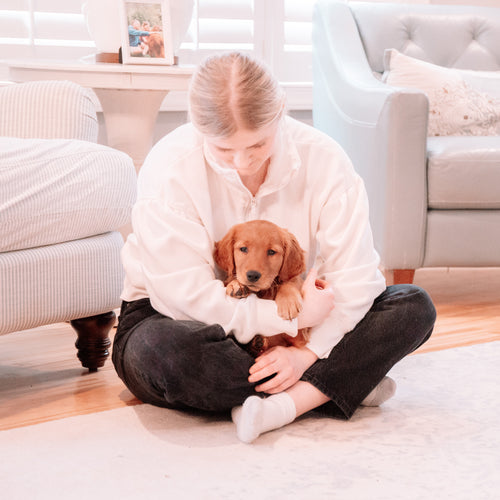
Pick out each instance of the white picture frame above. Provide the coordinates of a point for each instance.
(146, 16)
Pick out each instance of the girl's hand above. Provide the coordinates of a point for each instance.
(288, 363)
(318, 301)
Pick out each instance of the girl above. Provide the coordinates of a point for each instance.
(178, 342)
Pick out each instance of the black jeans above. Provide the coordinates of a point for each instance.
(191, 365)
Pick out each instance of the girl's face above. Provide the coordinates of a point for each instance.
(246, 151)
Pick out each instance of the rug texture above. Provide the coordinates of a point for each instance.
(438, 438)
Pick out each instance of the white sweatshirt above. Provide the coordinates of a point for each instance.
(186, 203)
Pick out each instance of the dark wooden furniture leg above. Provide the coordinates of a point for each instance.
(93, 339)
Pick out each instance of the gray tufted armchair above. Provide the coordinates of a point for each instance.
(434, 201)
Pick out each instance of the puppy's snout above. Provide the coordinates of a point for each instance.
(253, 276)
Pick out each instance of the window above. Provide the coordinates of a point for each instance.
(279, 31)
(45, 29)
(276, 30)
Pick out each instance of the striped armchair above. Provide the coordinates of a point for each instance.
(62, 199)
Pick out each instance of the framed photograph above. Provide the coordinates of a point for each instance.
(146, 32)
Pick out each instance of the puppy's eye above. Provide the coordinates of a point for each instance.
(271, 252)
(244, 249)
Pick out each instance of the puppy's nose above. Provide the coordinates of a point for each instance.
(253, 276)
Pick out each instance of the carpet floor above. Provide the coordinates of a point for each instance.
(438, 438)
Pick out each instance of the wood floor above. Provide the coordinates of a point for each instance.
(41, 378)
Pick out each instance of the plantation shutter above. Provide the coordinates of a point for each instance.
(45, 29)
(295, 54)
(278, 31)
(219, 26)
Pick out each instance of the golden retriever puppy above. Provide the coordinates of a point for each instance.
(156, 45)
(262, 258)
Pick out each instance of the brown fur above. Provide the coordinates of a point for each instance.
(155, 44)
(263, 258)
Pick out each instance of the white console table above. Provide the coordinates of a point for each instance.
(130, 95)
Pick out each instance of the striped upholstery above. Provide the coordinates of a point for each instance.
(48, 110)
(55, 283)
(59, 190)
(62, 199)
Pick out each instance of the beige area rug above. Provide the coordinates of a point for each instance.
(438, 438)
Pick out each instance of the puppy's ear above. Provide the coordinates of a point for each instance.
(224, 253)
(294, 262)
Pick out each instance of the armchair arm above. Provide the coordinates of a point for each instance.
(383, 129)
(48, 110)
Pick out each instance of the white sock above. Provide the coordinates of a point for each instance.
(382, 392)
(259, 415)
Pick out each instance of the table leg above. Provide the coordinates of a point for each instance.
(130, 118)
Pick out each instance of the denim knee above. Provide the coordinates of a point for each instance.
(421, 307)
(416, 309)
(400, 320)
(187, 364)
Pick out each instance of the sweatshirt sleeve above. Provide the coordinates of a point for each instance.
(173, 258)
(348, 261)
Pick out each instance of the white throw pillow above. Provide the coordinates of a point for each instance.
(458, 104)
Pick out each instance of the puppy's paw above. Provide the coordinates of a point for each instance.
(289, 307)
(258, 345)
(237, 290)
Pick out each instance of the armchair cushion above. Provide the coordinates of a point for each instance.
(57, 190)
(458, 105)
(464, 173)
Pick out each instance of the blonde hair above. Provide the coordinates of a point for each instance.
(233, 91)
